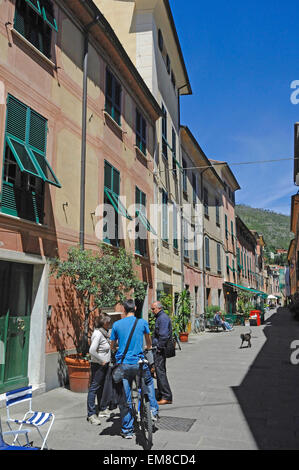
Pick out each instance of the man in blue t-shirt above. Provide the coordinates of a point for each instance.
(120, 333)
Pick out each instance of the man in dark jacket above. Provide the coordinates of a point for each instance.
(163, 330)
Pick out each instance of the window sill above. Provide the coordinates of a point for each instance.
(30, 222)
(165, 244)
(33, 48)
(145, 256)
(112, 121)
(143, 155)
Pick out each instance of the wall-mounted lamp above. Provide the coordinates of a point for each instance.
(65, 204)
(49, 312)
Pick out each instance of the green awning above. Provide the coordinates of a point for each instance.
(253, 291)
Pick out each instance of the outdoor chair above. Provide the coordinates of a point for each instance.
(34, 419)
(5, 446)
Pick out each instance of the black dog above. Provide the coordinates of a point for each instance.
(246, 337)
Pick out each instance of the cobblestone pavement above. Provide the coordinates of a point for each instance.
(225, 398)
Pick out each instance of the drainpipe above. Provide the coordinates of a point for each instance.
(83, 139)
(203, 242)
(181, 193)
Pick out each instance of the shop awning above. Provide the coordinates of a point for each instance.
(253, 291)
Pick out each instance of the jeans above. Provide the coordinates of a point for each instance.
(164, 390)
(127, 418)
(98, 374)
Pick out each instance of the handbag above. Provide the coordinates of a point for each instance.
(118, 371)
(170, 347)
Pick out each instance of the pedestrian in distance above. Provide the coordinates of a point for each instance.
(120, 333)
(218, 320)
(161, 335)
(100, 353)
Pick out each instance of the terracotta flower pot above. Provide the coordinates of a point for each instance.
(184, 337)
(79, 373)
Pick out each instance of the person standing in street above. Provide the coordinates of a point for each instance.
(120, 333)
(162, 332)
(100, 357)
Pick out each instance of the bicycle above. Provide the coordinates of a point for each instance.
(199, 323)
(141, 407)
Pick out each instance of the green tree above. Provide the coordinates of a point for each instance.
(100, 279)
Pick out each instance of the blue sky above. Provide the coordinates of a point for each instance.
(241, 59)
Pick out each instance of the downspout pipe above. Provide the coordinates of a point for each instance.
(83, 138)
(181, 193)
(203, 242)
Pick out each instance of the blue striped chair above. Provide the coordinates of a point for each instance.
(5, 446)
(35, 419)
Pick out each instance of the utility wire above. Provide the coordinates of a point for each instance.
(230, 164)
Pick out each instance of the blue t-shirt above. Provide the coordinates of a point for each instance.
(121, 330)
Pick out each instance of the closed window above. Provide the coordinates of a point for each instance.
(219, 269)
(175, 226)
(217, 211)
(164, 216)
(140, 132)
(164, 133)
(113, 97)
(206, 202)
(140, 227)
(184, 175)
(207, 252)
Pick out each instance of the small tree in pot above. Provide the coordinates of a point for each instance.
(99, 279)
(184, 312)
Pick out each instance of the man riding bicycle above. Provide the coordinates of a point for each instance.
(120, 332)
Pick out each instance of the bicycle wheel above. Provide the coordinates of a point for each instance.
(146, 422)
(134, 398)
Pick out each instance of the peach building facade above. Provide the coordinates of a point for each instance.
(41, 89)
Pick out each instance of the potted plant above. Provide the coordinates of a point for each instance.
(97, 279)
(183, 312)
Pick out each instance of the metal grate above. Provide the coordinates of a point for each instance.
(170, 423)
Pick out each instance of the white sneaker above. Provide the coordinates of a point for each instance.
(93, 419)
(105, 414)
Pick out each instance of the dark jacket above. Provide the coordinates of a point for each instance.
(163, 330)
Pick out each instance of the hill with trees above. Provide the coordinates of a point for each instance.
(274, 227)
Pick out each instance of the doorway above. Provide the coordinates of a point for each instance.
(16, 280)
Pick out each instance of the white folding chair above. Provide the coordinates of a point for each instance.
(36, 419)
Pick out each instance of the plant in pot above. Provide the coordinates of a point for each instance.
(98, 279)
(183, 313)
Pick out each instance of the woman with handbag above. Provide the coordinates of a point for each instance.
(100, 358)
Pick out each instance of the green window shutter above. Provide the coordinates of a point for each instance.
(140, 132)
(16, 119)
(35, 4)
(175, 226)
(174, 161)
(164, 216)
(226, 231)
(207, 252)
(37, 131)
(195, 248)
(113, 97)
(9, 199)
(218, 258)
(48, 14)
(19, 22)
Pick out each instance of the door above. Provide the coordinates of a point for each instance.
(15, 310)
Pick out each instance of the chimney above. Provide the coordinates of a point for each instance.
(296, 153)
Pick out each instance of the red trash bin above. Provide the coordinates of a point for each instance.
(255, 318)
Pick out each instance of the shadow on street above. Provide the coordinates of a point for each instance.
(269, 393)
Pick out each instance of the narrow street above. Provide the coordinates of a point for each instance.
(225, 398)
